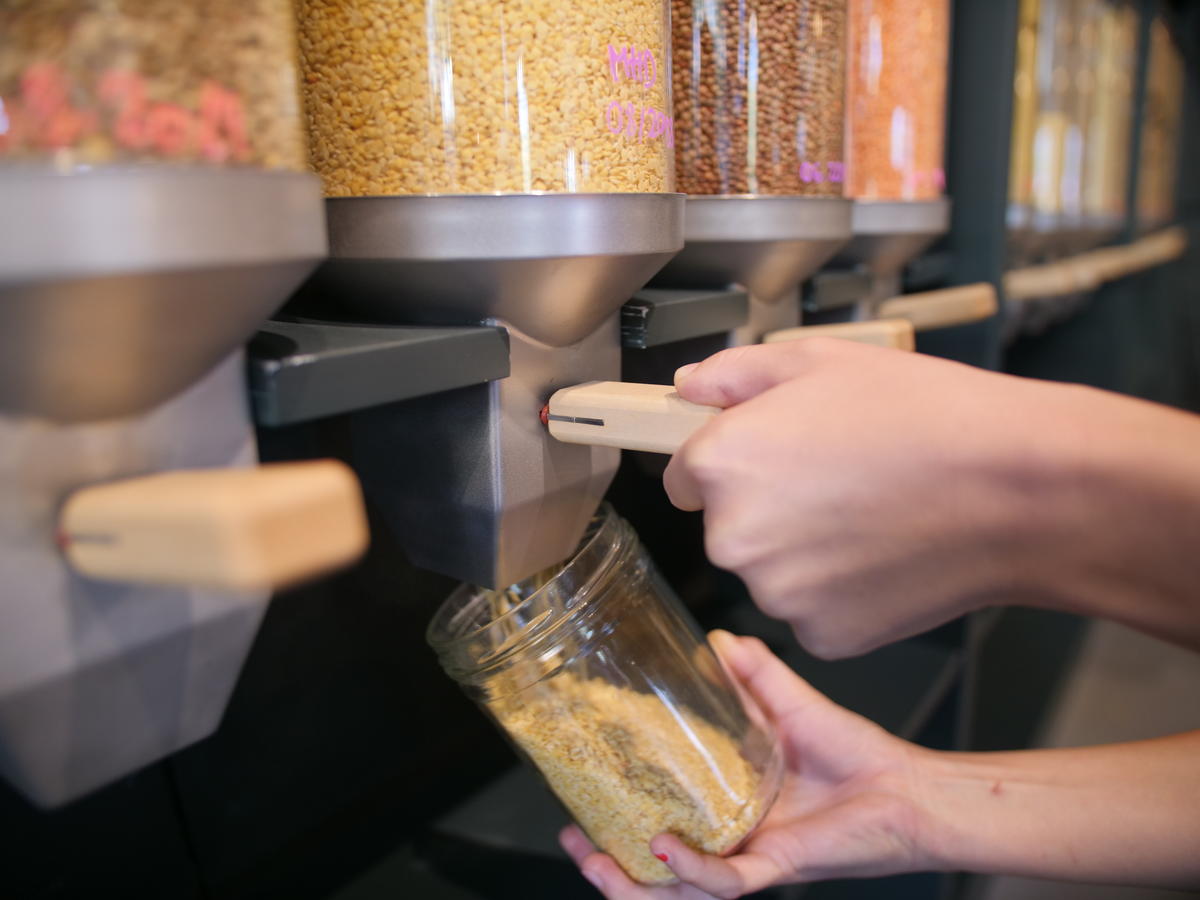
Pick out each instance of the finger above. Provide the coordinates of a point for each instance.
(610, 880)
(725, 878)
(576, 844)
(683, 490)
(811, 725)
(779, 690)
(735, 375)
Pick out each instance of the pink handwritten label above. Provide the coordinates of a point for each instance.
(819, 172)
(640, 123)
(631, 64)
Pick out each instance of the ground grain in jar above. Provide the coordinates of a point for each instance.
(480, 96)
(896, 98)
(760, 106)
(110, 81)
(627, 769)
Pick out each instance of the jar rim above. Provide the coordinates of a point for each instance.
(443, 635)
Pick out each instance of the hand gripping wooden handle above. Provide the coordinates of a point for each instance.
(941, 309)
(650, 417)
(230, 529)
(894, 333)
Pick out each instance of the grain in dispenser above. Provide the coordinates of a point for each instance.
(759, 90)
(895, 129)
(502, 163)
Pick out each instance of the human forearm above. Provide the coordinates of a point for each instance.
(1116, 533)
(1125, 813)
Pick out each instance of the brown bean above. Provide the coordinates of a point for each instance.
(760, 105)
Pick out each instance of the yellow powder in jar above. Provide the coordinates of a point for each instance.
(628, 766)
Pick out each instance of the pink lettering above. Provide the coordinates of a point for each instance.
(810, 173)
(628, 63)
(837, 172)
(616, 117)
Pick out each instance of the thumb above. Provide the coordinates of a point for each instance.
(812, 727)
(735, 375)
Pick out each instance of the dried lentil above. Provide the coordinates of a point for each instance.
(480, 96)
(627, 769)
(759, 90)
(896, 98)
(109, 81)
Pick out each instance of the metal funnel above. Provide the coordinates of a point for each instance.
(554, 265)
(767, 244)
(890, 234)
(470, 480)
(119, 288)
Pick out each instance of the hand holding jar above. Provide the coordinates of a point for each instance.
(858, 802)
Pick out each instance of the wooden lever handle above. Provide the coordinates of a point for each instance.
(230, 529)
(650, 417)
(1088, 271)
(941, 309)
(894, 333)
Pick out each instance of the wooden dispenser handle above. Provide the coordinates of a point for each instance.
(1038, 282)
(228, 529)
(941, 309)
(894, 333)
(651, 417)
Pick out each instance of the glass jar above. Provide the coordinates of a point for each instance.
(96, 82)
(759, 96)
(1158, 171)
(483, 96)
(606, 685)
(896, 99)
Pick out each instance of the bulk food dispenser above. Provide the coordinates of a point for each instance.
(156, 211)
(1161, 136)
(895, 135)
(1073, 104)
(490, 163)
(759, 132)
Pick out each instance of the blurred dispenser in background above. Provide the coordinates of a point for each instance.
(1161, 135)
(156, 212)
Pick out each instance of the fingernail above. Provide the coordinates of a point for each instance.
(596, 880)
(684, 371)
(662, 856)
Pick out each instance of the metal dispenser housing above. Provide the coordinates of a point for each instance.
(470, 479)
(125, 296)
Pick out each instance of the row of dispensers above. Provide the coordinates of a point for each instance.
(140, 539)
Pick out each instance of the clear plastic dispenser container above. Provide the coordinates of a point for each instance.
(759, 96)
(470, 97)
(156, 195)
(87, 83)
(1025, 111)
(1051, 138)
(605, 684)
(759, 137)
(1159, 170)
(896, 99)
(1106, 156)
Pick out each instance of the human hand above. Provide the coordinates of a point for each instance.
(845, 808)
(864, 495)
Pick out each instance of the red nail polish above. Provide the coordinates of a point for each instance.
(662, 856)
